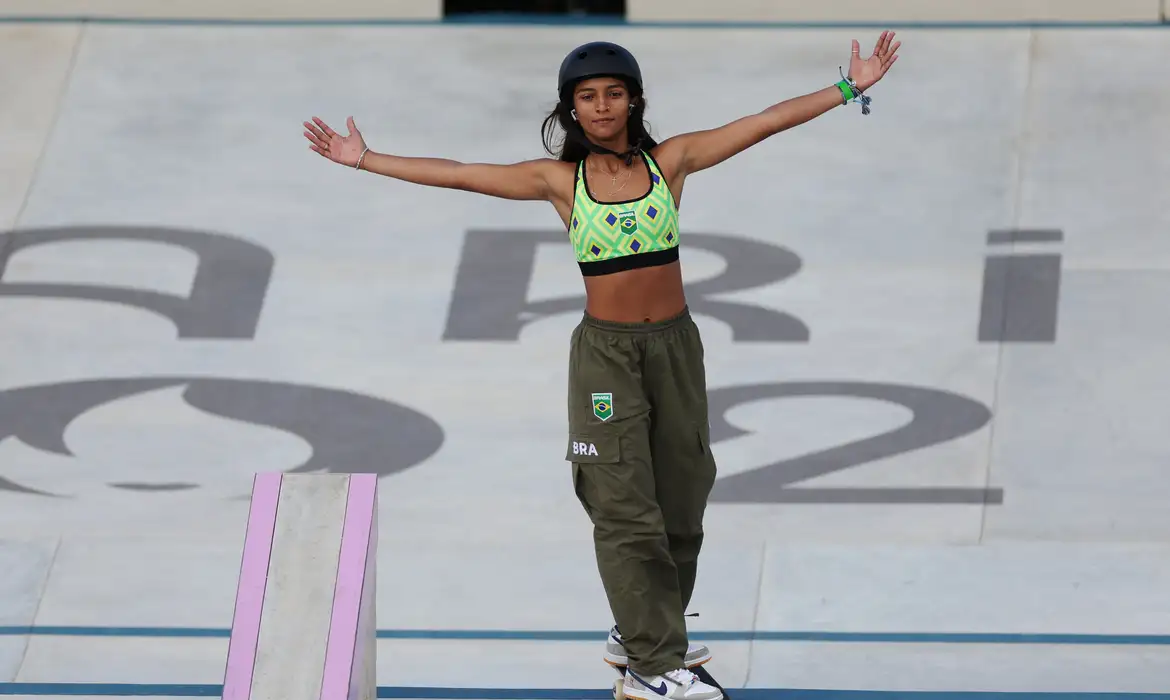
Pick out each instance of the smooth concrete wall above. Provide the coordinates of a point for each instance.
(225, 9)
(898, 10)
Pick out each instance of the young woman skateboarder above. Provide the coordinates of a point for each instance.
(638, 431)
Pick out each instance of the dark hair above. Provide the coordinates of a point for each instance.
(574, 146)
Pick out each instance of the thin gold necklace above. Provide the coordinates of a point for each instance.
(613, 179)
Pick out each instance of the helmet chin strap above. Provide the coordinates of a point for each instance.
(580, 137)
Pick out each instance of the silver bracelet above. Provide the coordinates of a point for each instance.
(358, 164)
(863, 99)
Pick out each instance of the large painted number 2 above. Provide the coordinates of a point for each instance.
(938, 416)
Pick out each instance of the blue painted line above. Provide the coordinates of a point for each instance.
(744, 693)
(963, 638)
(436, 693)
(610, 21)
(73, 631)
(594, 636)
(178, 690)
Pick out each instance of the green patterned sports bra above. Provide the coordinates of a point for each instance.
(614, 236)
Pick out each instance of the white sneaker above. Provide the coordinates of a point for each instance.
(679, 684)
(615, 652)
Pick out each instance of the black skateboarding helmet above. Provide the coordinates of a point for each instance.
(595, 59)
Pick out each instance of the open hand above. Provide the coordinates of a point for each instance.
(334, 146)
(866, 72)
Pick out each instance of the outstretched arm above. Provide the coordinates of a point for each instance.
(699, 150)
(527, 180)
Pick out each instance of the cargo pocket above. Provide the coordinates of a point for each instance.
(594, 448)
(704, 462)
(584, 451)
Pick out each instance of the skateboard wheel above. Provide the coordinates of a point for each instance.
(619, 689)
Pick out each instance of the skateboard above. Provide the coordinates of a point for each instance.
(700, 671)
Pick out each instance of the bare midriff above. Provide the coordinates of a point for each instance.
(643, 295)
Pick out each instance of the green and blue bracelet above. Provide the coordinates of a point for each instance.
(850, 93)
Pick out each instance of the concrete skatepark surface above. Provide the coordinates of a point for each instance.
(935, 346)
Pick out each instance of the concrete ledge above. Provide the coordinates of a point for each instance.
(894, 11)
(226, 9)
(304, 621)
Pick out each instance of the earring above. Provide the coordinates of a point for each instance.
(574, 113)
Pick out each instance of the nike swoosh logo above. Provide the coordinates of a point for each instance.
(660, 688)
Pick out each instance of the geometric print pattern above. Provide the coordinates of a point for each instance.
(604, 230)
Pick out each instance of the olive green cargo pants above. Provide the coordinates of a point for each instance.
(642, 469)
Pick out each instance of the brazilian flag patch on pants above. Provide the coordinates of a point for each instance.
(603, 406)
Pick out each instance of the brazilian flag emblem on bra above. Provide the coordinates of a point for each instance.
(628, 221)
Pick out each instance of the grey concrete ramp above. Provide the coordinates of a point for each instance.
(37, 61)
(934, 336)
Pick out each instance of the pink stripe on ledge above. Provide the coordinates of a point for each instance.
(241, 656)
(356, 538)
